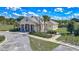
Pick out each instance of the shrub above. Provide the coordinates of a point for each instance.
(14, 30)
(51, 32)
(76, 32)
(41, 34)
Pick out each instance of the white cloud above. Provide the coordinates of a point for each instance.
(5, 13)
(39, 10)
(58, 10)
(76, 14)
(16, 14)
(13, 8)
(31, 13)
(69, 12)
(61, 18)
(24, 14)
(44, 10)
(56, 18)
(72, 16)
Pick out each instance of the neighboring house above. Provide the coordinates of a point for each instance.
(36, 24)
(52, 25)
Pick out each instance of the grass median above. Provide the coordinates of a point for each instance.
(40, 45)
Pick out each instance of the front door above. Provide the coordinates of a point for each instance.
(27, 27)
(22, 28)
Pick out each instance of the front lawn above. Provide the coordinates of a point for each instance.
(6, 27)
(2, 38)
(40, 45)
(41, 34)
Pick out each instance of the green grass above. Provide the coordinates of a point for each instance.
(6, 27)
(62, 30)
(40, 45)
(2, 38)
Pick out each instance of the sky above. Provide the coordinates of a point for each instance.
(57, 13)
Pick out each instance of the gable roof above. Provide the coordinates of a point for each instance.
(31, 20)
(51, 22)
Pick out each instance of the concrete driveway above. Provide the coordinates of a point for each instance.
(16, 41)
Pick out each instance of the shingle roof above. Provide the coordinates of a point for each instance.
(31, 19)
(53, 22)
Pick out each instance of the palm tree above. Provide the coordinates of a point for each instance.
(45, 18)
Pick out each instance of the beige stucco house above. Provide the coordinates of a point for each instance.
(36, 24)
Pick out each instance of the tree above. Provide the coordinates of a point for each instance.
(76, 32)
(45, 18)
(70, 27)
(20, 18)
(62, 23)
(2, 19)
(75, 19)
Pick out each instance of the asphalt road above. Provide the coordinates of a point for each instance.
(15, 42)
(64, 48)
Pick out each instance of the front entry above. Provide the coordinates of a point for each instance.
(22, 28)
(27, 27)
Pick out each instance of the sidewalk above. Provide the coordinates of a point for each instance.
(53, 39)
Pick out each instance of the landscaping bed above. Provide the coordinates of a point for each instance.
(41, 34)
(40, 45)
(2, 38)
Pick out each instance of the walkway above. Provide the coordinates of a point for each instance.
(16, 41)
(53, 39)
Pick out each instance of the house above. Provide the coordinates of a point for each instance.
(36, 24)
(52, 25)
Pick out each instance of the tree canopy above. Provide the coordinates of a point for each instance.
(46, 18)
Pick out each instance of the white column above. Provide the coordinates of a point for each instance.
(24, 27)
(30, 28)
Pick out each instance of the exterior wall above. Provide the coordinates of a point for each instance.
(52, 26)
(55, 27)
(35, 28)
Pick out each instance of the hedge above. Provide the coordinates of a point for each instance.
(41, 34)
